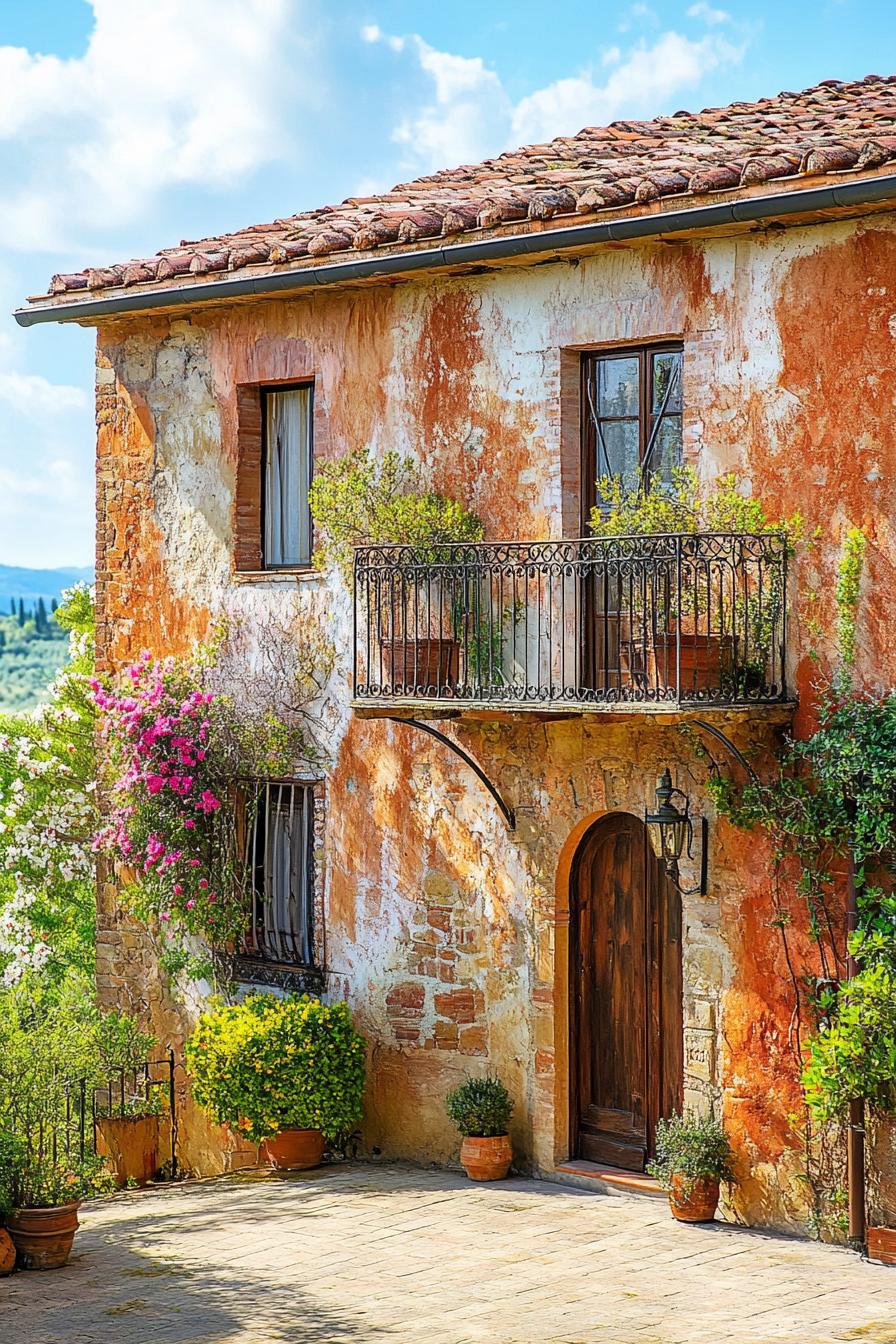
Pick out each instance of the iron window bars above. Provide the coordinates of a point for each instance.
(280, 861)
(642, 620)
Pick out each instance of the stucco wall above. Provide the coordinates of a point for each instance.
(446, 933)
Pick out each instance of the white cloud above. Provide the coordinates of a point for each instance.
(466, 120)
(36, 397)
(708, 13)
(166, 93)
(640, 84)
(372, 32)
(471, 116)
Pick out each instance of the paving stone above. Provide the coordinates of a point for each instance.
(351, 1254)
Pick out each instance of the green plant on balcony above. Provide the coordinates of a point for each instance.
(382, 499)
(419, 606)
(725, 630)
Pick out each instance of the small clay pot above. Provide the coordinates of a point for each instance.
(43, 1237)
(486, 1159)
(694, 1199)
(293, 1150)
(7, 1254)
(131, 1143)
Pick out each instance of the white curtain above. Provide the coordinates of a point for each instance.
(287, 520)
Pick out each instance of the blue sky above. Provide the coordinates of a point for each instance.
(126, 125)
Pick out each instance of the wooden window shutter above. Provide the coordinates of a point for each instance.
(247, 523)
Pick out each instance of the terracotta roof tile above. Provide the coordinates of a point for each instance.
(832, 128)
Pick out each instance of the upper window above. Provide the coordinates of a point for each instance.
(281, 863)
(286, 476)
(631, 415)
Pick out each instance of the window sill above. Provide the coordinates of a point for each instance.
(301, 574)
(256, 971)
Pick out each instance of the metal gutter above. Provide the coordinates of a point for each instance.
(867, 191)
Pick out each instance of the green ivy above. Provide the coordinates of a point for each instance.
(832, 798)
(271, 1063)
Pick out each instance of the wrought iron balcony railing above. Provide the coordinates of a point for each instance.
(640, 621)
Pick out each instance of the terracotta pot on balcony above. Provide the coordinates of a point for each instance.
(131, 1145)
(420, 666)
(486, 1159)
(694, 1199)
(7, 1254)
(293, 1150)
(43, 1237)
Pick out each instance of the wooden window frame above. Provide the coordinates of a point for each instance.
(645, 353)
(264, 391)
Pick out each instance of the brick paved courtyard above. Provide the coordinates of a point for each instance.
(387, 1252)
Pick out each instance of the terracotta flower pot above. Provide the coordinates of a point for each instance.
(43, 1237)
(694, 1199)
(131, 1144)
(7, 1254)
(420, 666)
(293, 1149)
(486, 1159)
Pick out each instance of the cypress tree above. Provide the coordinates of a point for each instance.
(21, 612)
(40, 617)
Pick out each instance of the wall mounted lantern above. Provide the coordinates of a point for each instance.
(673, 828)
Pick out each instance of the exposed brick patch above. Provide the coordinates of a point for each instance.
(457, 1005)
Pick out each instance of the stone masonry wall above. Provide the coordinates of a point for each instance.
(448, 934)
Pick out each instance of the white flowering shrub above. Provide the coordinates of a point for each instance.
(48, 816)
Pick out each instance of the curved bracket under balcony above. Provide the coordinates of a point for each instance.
(658, 624)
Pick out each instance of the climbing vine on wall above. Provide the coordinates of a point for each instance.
(832, 796)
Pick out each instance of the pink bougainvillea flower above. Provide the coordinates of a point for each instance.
(165, 916)
(155, 783)
(178, 889)
(190, 904)
(203, 884)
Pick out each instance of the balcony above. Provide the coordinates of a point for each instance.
(655, 624)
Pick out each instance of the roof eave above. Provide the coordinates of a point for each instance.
(856, 193)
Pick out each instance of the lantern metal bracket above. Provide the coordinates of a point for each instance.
(505, 809)
(727, 743)
(668, 818)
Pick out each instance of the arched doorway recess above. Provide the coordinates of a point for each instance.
(625, 1006)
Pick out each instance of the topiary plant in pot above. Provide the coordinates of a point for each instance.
(692, 1157)
(287, 1073)
(481, 1110)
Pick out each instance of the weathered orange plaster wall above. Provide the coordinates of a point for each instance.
(442, 929)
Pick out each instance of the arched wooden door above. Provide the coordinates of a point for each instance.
(625, 1012)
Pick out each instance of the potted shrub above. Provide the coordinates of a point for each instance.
(689, 624)
(286, 1073)
(481, 1109)
(692, 1157)
(42, 1196)
(416, 598)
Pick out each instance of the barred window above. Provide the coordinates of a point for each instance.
(281, 871)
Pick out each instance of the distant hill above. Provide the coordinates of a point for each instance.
(31, 584)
